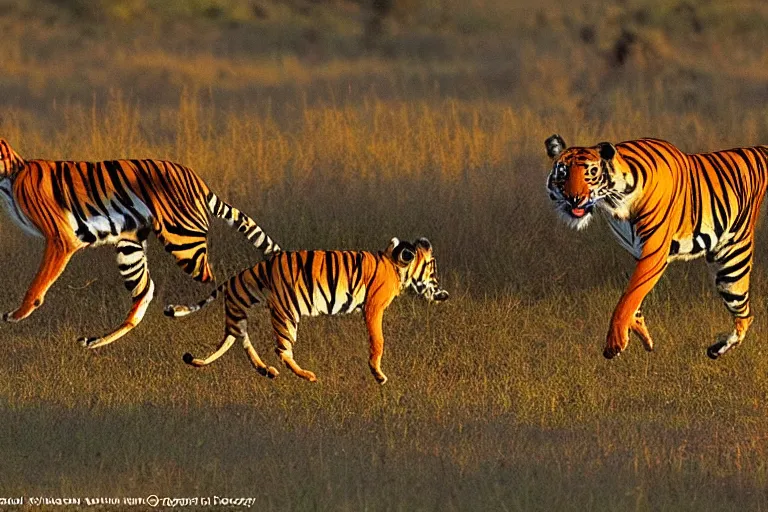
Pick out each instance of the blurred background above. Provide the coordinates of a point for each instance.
(339, 124)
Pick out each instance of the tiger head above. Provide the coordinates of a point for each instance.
(10, 161)
(417, 267)
(585, 177)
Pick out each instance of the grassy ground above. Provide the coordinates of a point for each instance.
(499, 399)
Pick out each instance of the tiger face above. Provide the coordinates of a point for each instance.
(583, 178)
(417, 267)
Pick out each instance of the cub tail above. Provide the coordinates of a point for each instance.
(179, 310)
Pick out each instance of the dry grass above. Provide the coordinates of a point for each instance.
(498, 399)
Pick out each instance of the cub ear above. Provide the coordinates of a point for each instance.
(423, 242)
(555, 145)
(392, 244)
(607, 150)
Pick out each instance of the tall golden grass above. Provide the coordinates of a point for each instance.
(499, 399)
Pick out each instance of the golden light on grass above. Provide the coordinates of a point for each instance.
(499, 398)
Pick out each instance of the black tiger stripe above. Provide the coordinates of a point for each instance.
(294, 284)
(681, 206)
(76, 204)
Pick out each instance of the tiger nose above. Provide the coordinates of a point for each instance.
(577, 200)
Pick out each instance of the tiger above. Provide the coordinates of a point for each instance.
(663, 205)
(295, 284)
(77, 204)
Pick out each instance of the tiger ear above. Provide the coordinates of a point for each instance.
(607, 150)
(423, 243)
(555, 145)
(390, 250)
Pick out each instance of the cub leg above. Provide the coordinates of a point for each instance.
(284, 328)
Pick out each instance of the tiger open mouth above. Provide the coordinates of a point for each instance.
(575, 216)
(578, 212)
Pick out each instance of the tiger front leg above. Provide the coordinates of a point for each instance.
(617, 339)
(618, 336)
(55, 258)
(627, 317)
(373, 319)
(641, 330)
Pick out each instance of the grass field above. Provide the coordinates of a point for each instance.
(499, 399)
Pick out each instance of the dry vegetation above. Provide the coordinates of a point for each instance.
(332, 138)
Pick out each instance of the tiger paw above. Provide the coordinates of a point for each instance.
(306, 375)
(380, 378)
(713, 351)
(724, 342)
(270, 372)
(648, 344)
(617, 341)
(641, 330)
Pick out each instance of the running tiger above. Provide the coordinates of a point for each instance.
(295, 284)
(80, 204)
(664, 205)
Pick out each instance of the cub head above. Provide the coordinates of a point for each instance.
(418, 268)
(580, 178)
(10, 161)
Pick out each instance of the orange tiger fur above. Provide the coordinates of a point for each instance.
(295, 284)
(663, 205)
(79, 204)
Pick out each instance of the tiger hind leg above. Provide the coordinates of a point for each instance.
(726, 341)
(285, 337)
(732, 281)
(189, 249)
(132, 263)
